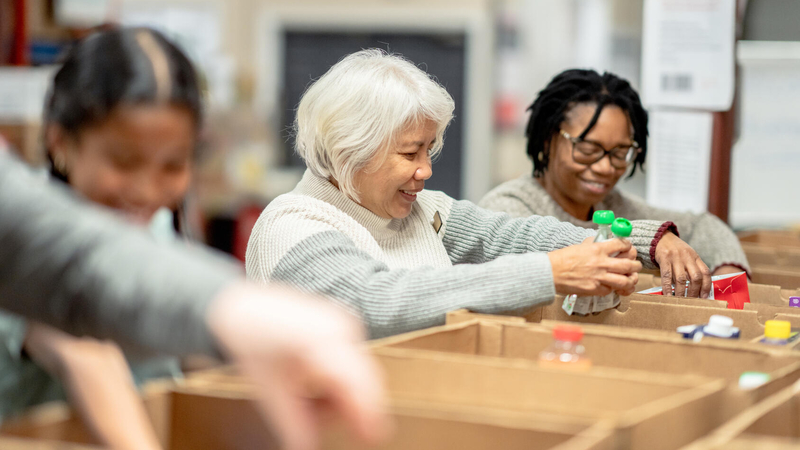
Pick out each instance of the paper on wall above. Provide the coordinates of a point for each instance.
(688, 53)
(22, 93)
(678, 159)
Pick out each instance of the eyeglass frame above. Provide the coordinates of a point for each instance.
(633, 150)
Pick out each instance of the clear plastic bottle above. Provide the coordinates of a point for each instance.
(566, 351)
(584, 305)
(621, 228)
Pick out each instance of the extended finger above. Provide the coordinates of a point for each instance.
(695, 279)
(356, 393)
(707, 285)
(615, 246)
(617, 282)
(277, 397)
(635, 280)
(679, 277)
(666, 277)
(623, 266)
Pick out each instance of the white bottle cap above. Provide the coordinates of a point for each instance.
(721, 326)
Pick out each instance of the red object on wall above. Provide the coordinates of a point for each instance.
(19, 53)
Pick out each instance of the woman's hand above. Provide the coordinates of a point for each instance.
(306, 360)
(679, 263)
(592, 269)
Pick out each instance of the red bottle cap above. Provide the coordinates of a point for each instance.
(568, 333)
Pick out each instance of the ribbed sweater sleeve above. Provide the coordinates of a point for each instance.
(711, 238)
(475, 235)
(80, 269)
(399, 300)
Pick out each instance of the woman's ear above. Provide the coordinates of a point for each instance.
(57, 145)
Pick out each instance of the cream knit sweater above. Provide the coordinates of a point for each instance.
(405, 274)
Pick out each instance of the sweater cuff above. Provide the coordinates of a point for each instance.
(662, 230)
(737, 265)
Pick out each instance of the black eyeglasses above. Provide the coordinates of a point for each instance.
(588, 152)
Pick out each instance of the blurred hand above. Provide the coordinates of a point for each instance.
(98, 383)
(590, 269)
(680, 263)
(305, 357)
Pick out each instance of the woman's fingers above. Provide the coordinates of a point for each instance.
(617, 282)
(622, 266)
(616, 247)
(706, 284)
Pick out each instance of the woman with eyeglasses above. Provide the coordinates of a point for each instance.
(585, 132)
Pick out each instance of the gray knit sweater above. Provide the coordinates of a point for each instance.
(710, 237)
(405, 274)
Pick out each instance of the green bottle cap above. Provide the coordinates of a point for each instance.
(603, 217)
(621, 227)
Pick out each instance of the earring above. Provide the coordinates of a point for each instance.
(541, 156)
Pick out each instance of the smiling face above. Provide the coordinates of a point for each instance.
(388, 186)
(577, 187)
(137, 160)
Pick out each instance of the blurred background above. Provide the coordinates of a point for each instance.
(256, 57)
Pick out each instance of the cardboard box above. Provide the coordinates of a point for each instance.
(656, 312)
(760, 255)
(647, 408)
(214, 412)
(27, 444)
(785, 277)
(771, 238)
(620, 349)
(774, 423)
(670, 313)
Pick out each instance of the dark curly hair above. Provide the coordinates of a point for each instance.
(570, 88)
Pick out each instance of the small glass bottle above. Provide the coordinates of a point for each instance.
(566, 351)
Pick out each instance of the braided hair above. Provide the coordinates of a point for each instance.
(573, 87)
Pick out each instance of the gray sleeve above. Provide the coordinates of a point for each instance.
(475, 235)
(76, 267)
(509, 204)
(710, 237)
(392, 301)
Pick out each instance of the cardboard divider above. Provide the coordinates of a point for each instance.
(7, 443)
(774, 238)
(474, 371)
(620, 349)
(666, 314)
(783, 276)
(759, 255)
(659, 314)
(759, 293)
(773, 423)
(213, 411)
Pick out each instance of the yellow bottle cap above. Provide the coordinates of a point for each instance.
(777, 329)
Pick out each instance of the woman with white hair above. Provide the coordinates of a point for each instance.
(360, 229)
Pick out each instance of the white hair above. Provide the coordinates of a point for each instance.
(359, 107)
